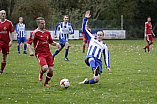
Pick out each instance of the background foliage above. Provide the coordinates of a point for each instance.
(106, 14)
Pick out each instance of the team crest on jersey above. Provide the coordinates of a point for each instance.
(5, 28)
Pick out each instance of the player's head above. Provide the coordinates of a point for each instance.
(41, 23)
(3, 14)
(149, 19)
(66, 18)
(20, 19)
(100, 35)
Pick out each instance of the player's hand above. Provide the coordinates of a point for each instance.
(58, 45)
(31, 53)
(153, 34)
(88, 14)
(69, 32)
(18, 36)
(10, 43)
(55, 36)
(109, 70)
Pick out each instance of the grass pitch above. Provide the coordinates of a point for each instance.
(134, 78)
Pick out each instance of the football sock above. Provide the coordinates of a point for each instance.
(3, 65)
(56, 52)
(84, 47)
(48, 77)
(18, 48)
(91, 81)
(66, 52)
(148, 48)
(92, 65)
(25, 46)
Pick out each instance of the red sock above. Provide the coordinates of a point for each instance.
(84, 47)
(48, 77)
(145, 47)
(148, 48)
(3, 65)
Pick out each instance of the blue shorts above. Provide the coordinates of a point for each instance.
(62, 42)
(23, 39)
(97, 62)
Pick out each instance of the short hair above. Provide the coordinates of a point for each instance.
(102, 32)
(39, 18)
(65, 16)
(20, 17)
(148, 17)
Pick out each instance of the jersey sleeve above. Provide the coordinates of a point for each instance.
(71, 28)
(146, 25)
(106, 56)
(31, 38)
(56, 29)
(84, 28)
(50, 39)
(11, 28)
(17, 30)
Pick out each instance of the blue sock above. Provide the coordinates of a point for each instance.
(18, 48)
(56, 52)
(91, 81)
(92, 65)
(66, 52)
(25, 46)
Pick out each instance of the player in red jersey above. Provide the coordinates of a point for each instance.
(6, 27)
(148, 34)
(41, 39)
(85, 40)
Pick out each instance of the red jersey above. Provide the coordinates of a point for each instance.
(41, 41)
(5, 28)
(148, 26)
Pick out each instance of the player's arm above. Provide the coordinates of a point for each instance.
(12, 34)
(71, 29)
(153, 33)
(84, 27)
(29, 42)
(52, 42)
(17, 30)
(145, 32)
(11, 39)
(106, 58)
(56, 29)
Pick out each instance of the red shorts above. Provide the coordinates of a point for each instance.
(149, 38)
(4, 47)
(45, 59)
(85, 39)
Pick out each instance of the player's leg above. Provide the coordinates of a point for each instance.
(91, 62)
(147, 45)
(5, 51)
(18, 44)
(67, 45)
(49, 75)
(3, 63)
(44, 66)
(58, 50)
(84, 44)
(25, 45)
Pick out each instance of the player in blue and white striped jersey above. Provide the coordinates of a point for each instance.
(94, 54)
(65, 29)
(20, 30)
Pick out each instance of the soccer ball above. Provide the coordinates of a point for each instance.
(64, 83)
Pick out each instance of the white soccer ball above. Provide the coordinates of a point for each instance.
(64, 83)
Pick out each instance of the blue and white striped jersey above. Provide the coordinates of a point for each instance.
(96, 48)
(63, 30)
(20, 29)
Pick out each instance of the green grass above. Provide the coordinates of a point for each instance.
(134, 78)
